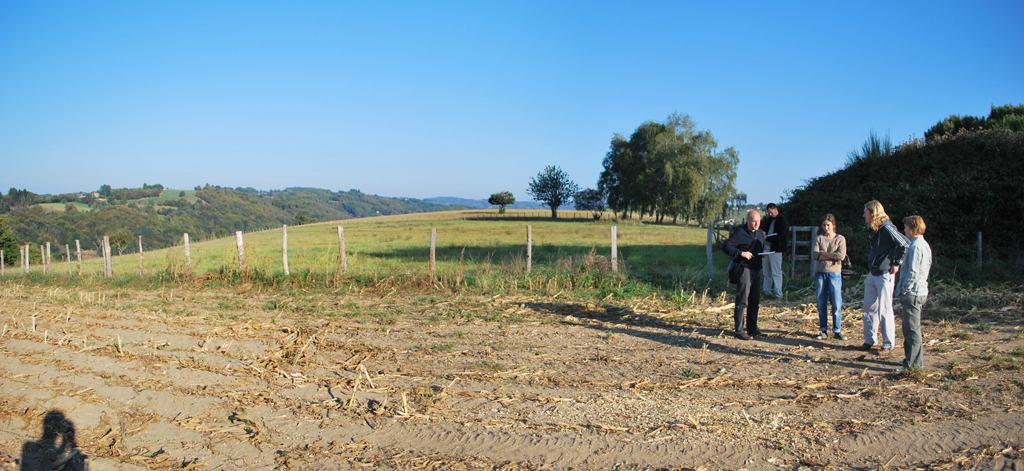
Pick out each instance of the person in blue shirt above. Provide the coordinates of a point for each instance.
(913, 290)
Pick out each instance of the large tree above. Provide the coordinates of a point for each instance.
(552, 187)
(669, 169)
(502, 199)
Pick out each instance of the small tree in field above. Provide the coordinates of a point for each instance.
(502, 199)
(552, 187)
(120, 239)
(7, 243)
(591, 200)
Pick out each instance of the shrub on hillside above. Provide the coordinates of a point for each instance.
(960, 183)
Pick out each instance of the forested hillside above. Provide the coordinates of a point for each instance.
(961, 183)
(206, 212)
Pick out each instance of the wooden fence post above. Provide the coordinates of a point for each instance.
(814, 236)
(140, 256)
(188, 259)
(615, 249)
(979, 251)
(3, 269)
(42, 257)
(24, 259)
(529, 248)
(48, 269)
(107, 264)
(284, 247)
(78, 250)
(711, 268)
(241, 251)
(433, 240)
(67, 250)
(342, 259)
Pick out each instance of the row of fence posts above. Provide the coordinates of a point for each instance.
(343, 262)
(240, 247)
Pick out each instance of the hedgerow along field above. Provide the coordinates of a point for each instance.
(476, 254)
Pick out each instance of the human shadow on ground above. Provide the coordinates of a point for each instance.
(56, 450)
(617, 319)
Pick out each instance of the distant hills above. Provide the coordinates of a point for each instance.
(161, 215)
(483, 203)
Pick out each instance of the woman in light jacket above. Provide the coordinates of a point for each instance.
(828, 252)
(913, 289)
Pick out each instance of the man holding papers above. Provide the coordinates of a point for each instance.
(743, 246)
(775, 245)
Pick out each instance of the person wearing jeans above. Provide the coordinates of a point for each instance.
(828, 252)
(887, 249)
(913, 290)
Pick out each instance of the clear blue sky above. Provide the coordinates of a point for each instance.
(466, 99)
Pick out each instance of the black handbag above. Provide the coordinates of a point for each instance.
(735, 271)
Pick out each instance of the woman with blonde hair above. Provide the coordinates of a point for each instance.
(913, 290)
(887, 249)
(828, 252)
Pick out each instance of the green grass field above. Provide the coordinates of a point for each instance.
(479, 253)
(60, 207)
(170, 195)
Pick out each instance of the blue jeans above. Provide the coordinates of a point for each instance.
(829, 288)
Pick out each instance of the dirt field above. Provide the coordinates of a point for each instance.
(238, 379)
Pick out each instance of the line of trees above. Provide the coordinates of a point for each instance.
(663, 169)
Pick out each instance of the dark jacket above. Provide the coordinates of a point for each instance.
(742, 240)
(887, 248)
(778, 240)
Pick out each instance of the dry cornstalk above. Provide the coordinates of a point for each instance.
(303, 349)
(119, 350)
(355, 387)
(370, 380)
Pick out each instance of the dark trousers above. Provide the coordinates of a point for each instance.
(912, 346)
(748, 300)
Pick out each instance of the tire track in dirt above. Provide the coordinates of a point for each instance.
(938, 440)
(573, 449)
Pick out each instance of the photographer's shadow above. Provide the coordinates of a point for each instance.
(57, 449)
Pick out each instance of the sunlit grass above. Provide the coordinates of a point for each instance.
(478, 255)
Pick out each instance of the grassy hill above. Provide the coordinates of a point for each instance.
(961, 184)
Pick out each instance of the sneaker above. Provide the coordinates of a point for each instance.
(885, 351)
(866, 347)
(839, 336)
(759, 335)
(822, 336)
(902, 363)
(743, 336)
(899, 371)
